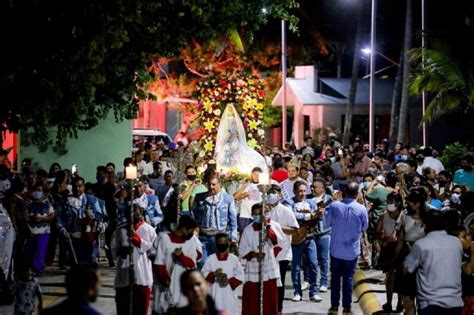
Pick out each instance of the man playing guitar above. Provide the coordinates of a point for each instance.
(307, 214)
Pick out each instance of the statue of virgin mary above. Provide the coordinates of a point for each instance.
(231, 145)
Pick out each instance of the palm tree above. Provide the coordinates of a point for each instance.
(354, 79)
(396, 99)
(338, 49)
(448, 80)
(403, 118)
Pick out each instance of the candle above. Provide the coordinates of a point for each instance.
(131, 172)
(264, 179)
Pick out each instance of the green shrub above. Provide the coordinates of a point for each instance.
(451, 153)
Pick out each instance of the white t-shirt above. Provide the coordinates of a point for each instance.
(245, 205)
(286, 218)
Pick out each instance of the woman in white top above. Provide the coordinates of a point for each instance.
(410, 231)
(386, 232)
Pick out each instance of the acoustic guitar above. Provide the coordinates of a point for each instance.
(302, 232)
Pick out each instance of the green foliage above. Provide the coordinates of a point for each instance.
(67, 64)
(447, 80)
(451, 153)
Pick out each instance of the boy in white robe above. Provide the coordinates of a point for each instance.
(274, 240)
(224, 273)
(177, 251)
(143, 236)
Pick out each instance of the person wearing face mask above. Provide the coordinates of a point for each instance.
(177, 252)
(192, 186)
(71, 218)
(287, 220)
(386, 233)
(376, 194)
(465, 175)
(224, 273)
(249, 249)
(40, 214)
(411, 230)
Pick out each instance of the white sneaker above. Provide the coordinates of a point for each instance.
(323, 288)
(296, 298)
(316, 298)
(305, 286)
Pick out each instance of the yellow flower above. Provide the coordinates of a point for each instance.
(208, 146)
(251, 81)
(209, 125)
(252, 143)
(207, 107)
(253, 124)
(245, 106)
(259, 106)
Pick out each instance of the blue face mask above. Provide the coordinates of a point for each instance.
(272, 199)
(257, 219)
(37, 194)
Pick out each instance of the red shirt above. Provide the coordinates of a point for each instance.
(280, 175)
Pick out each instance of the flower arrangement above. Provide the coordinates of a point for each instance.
(215, 92)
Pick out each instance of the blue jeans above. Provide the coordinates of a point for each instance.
(344, 269)
(438, 310)
(308, 250)
(208, 248)
(322, 247)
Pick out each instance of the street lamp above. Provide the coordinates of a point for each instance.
(367, 51)
(372, 76)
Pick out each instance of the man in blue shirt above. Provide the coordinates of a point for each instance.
(348, 219)
(215, 213)
(465, 175)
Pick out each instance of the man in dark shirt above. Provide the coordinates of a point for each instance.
(82, 286)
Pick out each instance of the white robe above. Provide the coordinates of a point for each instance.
(165, 298)
(249, 242)
(143, 273)
(225, 298)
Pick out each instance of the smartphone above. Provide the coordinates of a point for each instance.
(74, 169)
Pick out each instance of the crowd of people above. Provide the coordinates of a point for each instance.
(182, 239)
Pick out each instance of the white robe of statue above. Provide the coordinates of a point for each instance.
(231, 145)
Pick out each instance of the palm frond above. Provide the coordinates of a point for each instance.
(236, 39)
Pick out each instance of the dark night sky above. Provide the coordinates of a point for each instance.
(336, 20)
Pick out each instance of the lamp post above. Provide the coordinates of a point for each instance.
(423, 47)
(264, 186)
(131, 176)
(283, 84)
(372, 75)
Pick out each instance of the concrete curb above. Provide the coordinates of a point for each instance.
(367, 300)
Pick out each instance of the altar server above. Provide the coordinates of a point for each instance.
(249, 249)
(224, 273)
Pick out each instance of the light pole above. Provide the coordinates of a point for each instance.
(372, 75)
(283, 84)
(423, 47)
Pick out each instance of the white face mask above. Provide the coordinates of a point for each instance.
(456, 198)
(391, 207)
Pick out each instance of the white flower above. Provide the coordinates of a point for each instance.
(261, 132)
(217, 112)
(202, 153)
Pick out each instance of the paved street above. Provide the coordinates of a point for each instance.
(53, 291)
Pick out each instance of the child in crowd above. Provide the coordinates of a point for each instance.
(27, 290)
(386, 232)
(249, 250)
(224, 273)
(467, 269)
